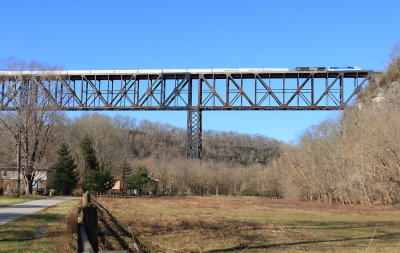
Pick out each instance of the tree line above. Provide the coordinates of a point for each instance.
(160, 150)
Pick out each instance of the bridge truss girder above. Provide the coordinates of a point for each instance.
(194, 92)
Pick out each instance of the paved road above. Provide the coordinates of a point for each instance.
(10, 213)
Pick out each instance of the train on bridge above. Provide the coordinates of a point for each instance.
(349, 68)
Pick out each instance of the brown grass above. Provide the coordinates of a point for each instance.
(71, 223)
(215, 224)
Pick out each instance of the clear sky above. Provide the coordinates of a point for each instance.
(80, 35)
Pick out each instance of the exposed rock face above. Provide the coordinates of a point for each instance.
(360, 105)
(390, 94)
(384, 96)
(378, 99)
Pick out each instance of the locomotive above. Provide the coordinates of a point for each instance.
(327, 69)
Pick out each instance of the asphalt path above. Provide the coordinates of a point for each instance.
(12, 212)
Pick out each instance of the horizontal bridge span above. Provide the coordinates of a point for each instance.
(172, 73)
(204, 108)
(207, 89)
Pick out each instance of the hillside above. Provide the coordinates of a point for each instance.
(352, 159)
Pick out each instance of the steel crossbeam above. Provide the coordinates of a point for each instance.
(194, 91)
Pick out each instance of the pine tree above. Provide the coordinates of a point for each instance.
(95, 179)
(89, 154)
(139, 179)
(66, 176)
(126, 173)
(99, 181)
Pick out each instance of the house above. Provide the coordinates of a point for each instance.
(118, 187)
(40, 183)
(153, 185)
(9, 181)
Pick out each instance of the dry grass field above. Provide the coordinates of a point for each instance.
(246, 224)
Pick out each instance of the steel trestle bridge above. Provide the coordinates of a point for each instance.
(193, 90)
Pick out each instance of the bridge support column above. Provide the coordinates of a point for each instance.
(194, 147)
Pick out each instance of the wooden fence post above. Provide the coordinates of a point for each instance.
(89, 223)
(86, 199)
(91, 226)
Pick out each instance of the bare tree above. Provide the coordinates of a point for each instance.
(34, 117)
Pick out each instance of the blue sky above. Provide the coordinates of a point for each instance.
(205, 34)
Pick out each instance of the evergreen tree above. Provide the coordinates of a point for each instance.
(65, 177)
(95, 178)
(89, 154)
(126, 173)
(99, 181)
(139, 179)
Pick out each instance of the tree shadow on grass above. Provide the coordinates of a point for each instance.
(24, 206)
(15, 236)
(316, 225)
(24, 229)
(21, 221)
(278, 245)
(48, 217)
(103, 212)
